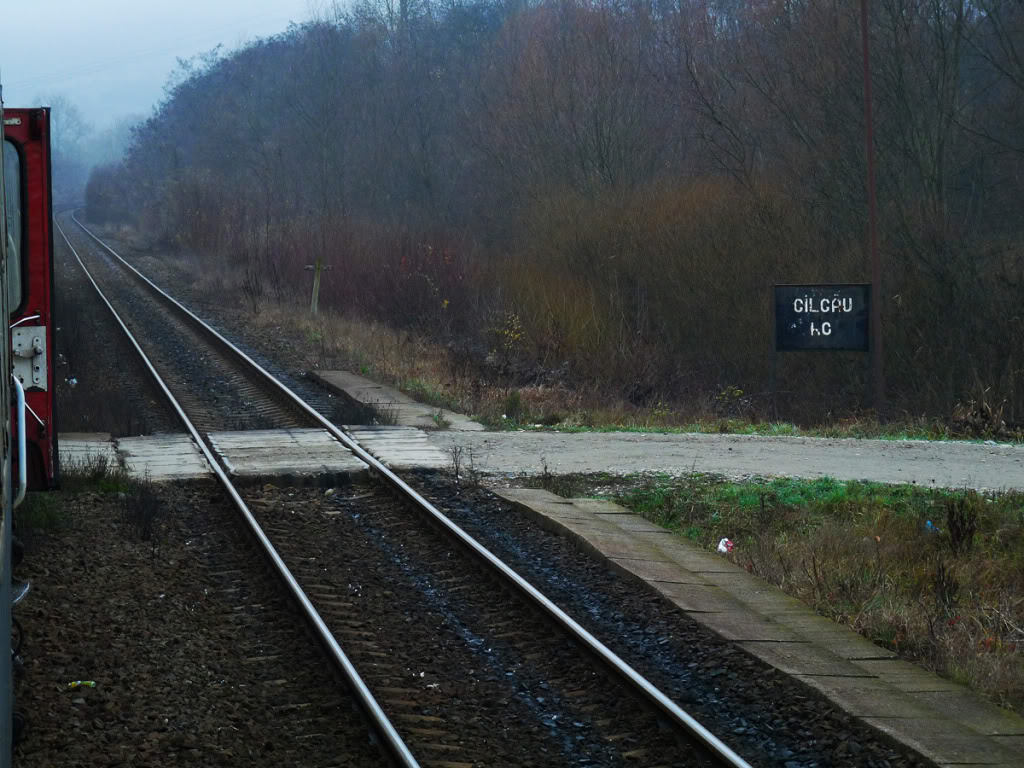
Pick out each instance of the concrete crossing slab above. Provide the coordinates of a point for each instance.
(162, 457)
(295, 456)
(83, 451)
(400, 447)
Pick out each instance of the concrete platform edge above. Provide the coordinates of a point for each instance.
(408, 412)
(852, 684)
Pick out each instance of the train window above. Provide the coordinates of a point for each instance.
(12, 188)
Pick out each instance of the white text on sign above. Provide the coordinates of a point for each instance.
(816, 306)
(810, 305)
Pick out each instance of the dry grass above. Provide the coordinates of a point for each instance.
(648, 310)
(452, 376)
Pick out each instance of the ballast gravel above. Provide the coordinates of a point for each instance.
(768, 717)
(196, 658)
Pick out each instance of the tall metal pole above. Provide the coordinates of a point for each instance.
(877, 371)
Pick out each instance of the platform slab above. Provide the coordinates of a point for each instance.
(946, 722)
(400, 447)
(300, 456)
(162, 457)
(405, 411)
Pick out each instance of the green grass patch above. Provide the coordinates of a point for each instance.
(715, 504)
(424, 392)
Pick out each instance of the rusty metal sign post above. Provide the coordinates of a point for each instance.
(877, 370)
(840, 317)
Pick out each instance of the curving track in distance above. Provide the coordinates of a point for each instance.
(386, 732)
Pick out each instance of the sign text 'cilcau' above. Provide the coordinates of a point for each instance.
(821, 317)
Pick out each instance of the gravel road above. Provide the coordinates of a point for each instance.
(942, 464)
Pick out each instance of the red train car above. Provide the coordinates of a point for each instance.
(30, 283)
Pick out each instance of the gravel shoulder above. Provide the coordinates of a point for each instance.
(928, 464)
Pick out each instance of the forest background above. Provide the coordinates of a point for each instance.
(598, 194)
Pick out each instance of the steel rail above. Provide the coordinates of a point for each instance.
(379, 720)
(634, 679)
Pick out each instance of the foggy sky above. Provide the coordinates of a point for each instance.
(112, 57)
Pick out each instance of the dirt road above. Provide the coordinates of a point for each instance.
(944, 464)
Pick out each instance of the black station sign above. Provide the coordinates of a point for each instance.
(822, 317)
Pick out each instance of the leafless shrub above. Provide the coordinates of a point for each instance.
(962, 521)
(92, 467)
(979, 417)
(253, 290)
(383, 413)
(472, 475)
(89, 469)
(455, 453)
(946, 588)
(141, 508)
(765, 515)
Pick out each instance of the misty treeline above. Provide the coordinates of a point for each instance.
(76, 146)
(610, 189)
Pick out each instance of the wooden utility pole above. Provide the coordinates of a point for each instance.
(877, 370)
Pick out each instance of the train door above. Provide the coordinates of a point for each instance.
(30, 282)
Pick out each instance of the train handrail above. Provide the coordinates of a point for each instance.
(22, 464)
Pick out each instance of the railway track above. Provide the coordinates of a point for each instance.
(466, 670)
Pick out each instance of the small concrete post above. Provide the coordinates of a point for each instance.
(317, 268)
(316, 287)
